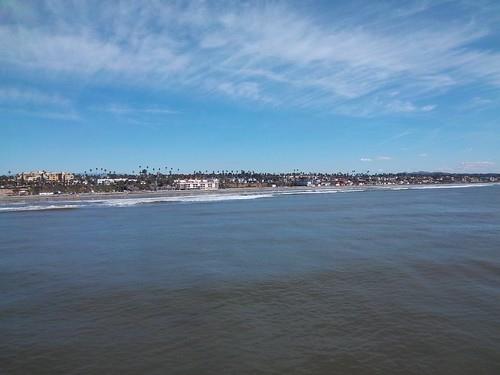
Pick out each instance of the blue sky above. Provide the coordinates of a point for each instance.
(275, 86)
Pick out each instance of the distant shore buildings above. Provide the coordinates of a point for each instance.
(47, 183)
(52, 177)
(197, 184)
(111, 181)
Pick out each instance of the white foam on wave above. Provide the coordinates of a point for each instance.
(397, 188)
(448, 186)
(126, 202)
(320, 191)
(39, 208)
(306, 192)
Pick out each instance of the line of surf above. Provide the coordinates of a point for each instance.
(129, 202)
(206, 198)
(126, 202)
(448, 186)
(39, 207)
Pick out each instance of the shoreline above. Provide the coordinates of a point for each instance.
(147, 194)
(243, 191)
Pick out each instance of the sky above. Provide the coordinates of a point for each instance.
(328, 86)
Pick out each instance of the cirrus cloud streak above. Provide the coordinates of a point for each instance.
(271, 53)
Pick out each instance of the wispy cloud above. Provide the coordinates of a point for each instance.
(247, 90)
(61, 115)
(407, 107)
(395, 137)
(428, 108)
(477, 165)
(15, 95)
(35, 103)
(264, 52)
(479, 103)
(120, 109)
(377, 158)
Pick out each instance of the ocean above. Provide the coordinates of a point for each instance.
(383, 281)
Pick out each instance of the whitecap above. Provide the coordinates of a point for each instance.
(39, 208)
(448, 186)
(125, 202)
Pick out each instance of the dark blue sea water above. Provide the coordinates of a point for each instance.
(367, 282)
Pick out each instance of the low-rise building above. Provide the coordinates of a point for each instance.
(30, 176)
(197, 184)
(54, 177)
(4, 191)
(303, 182)
(110, 181)
(60, 177)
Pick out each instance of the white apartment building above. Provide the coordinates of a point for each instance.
(197, 184)
(110, 181)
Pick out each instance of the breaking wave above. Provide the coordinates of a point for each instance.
(39, 207)
(448, 186)
(307, 192)
(125, 202)
(128, 202)
(205, 198)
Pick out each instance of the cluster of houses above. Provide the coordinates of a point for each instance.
(43, 182)
(41, 176)
(179, 184)
(111, 181)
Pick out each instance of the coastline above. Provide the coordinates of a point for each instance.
(150, 194)
(230, 191)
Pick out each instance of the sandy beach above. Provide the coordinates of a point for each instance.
(159, 193)
(231, 191)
